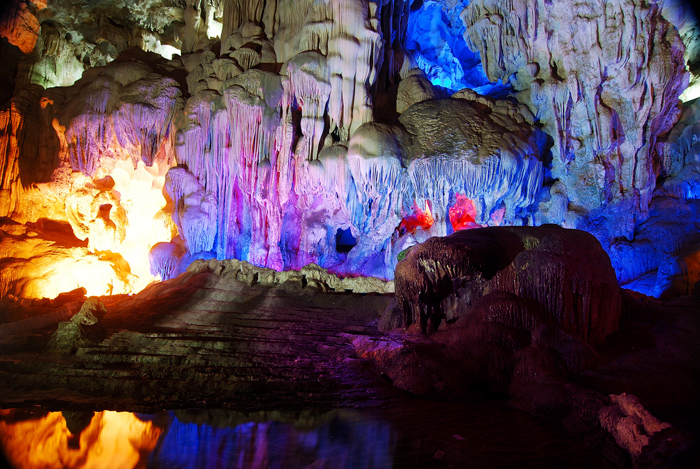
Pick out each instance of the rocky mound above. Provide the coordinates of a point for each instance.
(566, 271)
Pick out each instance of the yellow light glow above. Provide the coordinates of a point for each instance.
(69, 273)
(141, 194)
(121, 221)
(111, 439)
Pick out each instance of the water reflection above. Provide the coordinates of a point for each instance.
(195, 439)
(106, 439)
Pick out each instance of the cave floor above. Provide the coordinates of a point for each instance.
(206, 342)
(200, 340)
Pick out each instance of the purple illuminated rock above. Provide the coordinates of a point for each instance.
(503, 339)
(566, 271)
(163, 259)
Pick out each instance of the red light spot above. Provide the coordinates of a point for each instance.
(463, 214)
(419, 218)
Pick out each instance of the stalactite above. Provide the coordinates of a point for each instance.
(119, 112)
(309, 85)
(602, 92)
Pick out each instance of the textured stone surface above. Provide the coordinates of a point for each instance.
(566, 271)
(649, 441)
(205, 337)
(309, 278)
(474, 146)
(211, 339)
(600, 91)
(482, 352)
(83, 329)
(508, 346)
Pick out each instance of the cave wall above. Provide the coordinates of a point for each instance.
(342, 132)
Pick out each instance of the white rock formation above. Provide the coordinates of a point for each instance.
(476, 147)
(309, 135)
(604, 79)
(121, 111)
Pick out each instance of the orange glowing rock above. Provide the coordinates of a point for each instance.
(38, 263)
(64, 229)
(20, 26)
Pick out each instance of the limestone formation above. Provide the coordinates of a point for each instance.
(565, 270)
(298, 125)
(601, 92)
(480, 353)
(650, 442)
(19, 24)
(42, 263)
(261, 170)
(476, 147)
(309, 278)
(81, 330)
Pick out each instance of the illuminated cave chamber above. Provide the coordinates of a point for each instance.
(335, 132)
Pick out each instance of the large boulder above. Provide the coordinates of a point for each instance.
(567, 271)
(503, 341)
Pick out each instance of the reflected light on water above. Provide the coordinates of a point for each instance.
(175, 439)
(110, 439)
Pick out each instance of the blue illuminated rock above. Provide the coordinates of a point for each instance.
(604, 96)
(434, 35)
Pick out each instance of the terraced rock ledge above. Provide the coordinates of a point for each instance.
(221, 334)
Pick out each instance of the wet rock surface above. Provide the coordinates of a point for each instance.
(565, 271)
(199, 339)
(224, 336)
(474, 325)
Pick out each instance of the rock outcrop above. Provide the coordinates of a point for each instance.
(310, 278)
(477, 147)
(83, 329)
(566, 271)
(482, 353)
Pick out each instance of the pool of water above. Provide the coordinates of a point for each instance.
(414, 433)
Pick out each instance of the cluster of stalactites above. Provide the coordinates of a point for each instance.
(333, 51)
(238, 145)
(119, 112)
(278, 206)
(604, 80)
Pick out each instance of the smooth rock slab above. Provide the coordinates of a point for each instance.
(567, 271)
